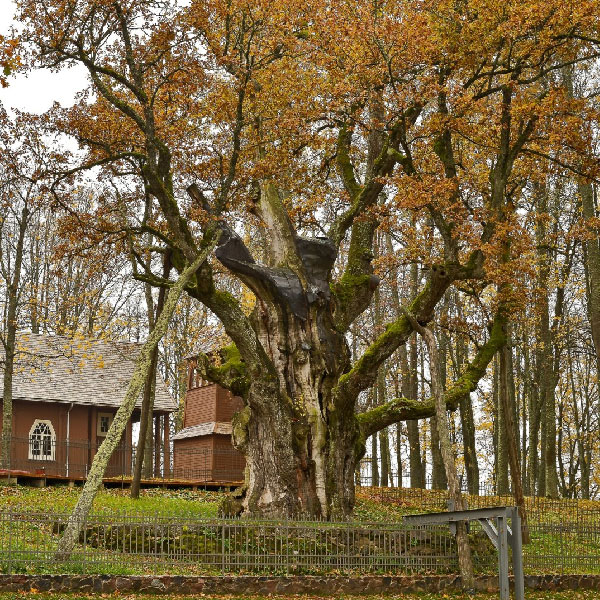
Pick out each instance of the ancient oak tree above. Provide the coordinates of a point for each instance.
(295, 131)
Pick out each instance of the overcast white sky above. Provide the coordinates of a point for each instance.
(37, 91)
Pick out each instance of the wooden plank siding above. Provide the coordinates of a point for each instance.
(211, 456)
(83, 440)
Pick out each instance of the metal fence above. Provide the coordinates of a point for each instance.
(138, 544)
(364, 478)
(539, 509)
(563, 548)
(135, 545)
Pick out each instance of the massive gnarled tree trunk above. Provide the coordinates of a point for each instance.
(299, 430)
(291, 362)
(300, 435)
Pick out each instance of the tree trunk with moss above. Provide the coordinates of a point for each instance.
(502, 486)
(535, 403)
(467, 421)
(384, 436)
(386, 467)
(374, 461)
(143, 453)
(410, 389)
(123, 414)
(398, 448)
(299, 430)
(438, 471)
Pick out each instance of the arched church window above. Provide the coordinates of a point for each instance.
(42, 441)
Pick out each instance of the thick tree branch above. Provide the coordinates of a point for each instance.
(364, 372)
(344, 165)
(354, 290)
(403, 409)
(368, 194)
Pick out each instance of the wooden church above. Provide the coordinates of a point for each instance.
(202, 450)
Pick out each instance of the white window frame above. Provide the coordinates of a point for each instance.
(42, 457)
(110, 416)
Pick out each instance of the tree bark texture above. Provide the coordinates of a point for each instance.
(416, 463)
(438, 472)
(144, 447)
(374, 461)
(467, 419)
(502, 488)
(512, 442)
(290, 361)
(592, 264)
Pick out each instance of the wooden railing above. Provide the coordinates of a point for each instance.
(72, 460)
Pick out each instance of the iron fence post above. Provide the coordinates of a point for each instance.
(223, 547)
(287, 547)
(562, 549)
(348, 559)
(84, 553)
(9, 565)
(155, 532)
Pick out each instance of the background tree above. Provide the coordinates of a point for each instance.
(23, 164)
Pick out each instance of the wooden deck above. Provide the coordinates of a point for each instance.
(42, 479)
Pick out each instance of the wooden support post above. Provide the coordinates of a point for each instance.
(503, 558)
(157, 445)
(93, 437)
(166, 448)
(500, 536)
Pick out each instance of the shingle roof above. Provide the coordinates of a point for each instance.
(82, 370)
(203, 429)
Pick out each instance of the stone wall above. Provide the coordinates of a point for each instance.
(247, 585)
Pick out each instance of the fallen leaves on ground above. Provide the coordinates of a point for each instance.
(529, 595)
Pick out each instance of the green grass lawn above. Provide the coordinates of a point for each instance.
(186, 502)
(154, 501)
(388, 504)
(167, 502)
